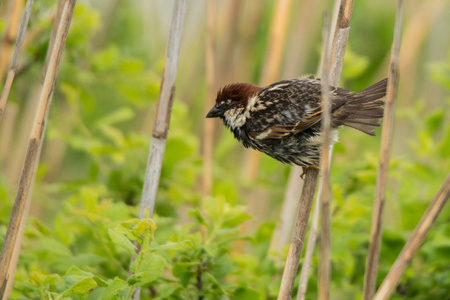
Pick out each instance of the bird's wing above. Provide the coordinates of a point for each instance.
(289, 107)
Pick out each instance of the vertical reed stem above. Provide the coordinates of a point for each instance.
(370, 274)
(31, 157)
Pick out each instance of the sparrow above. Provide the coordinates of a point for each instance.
(283, 120)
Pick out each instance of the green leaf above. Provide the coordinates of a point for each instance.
(82, 287)
(113, 289)
(196, 214)
(78, 274)
(122, 241)
(236, 220)
(245, 293)
(179, 246)
(153, 267)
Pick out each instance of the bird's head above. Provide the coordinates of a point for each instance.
(232, 103)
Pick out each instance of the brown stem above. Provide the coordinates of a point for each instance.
(298, 234)
(325, 191)
(33, 149)
(370, 274)
(163, 113)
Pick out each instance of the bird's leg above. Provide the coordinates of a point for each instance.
(305, 169)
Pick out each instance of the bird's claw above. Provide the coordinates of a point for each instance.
(305, 170)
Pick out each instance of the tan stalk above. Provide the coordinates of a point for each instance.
(295, 59)
(298, 234)
(15, 60)
(162, 118)
(342, 31)
(31, 157)
(277, 37)
(371, 270)
(209, 124)
(325, 189)
(17, 245)
(9, 36)
(417, 238)
(164, 109)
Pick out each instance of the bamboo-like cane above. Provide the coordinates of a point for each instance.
(15, 60)
(9, 36)
(415, 241)
(371, 270)
(325, 191)
(342, 30)
(298, 234)
(209, 124)
(31, 158)
(17, 246)
(338, 50)
(163, 112)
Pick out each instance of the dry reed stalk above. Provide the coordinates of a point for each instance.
(277, 37)
(280, 236)
(56, 21)
(296, 58)
(164, 109)
(162, 118)
(370, 274)
(9, 36)
(15, 60)
(310, 244)
(298, 234)
(209, 124)
(340, 39)
(337, 57)
(33, 149)
(325, 164)
(417, 238)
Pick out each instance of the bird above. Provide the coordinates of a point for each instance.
(284, 119)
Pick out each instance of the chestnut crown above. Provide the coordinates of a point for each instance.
(231, 96)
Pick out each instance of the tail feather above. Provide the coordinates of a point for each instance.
(363, 110)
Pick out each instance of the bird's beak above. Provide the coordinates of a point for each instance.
(214, 112)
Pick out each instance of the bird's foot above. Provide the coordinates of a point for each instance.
(305, 169)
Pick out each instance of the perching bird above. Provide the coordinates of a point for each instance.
(283, 120)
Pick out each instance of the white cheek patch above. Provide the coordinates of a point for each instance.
(235, 117)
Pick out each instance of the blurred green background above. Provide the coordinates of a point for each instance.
(96, 145)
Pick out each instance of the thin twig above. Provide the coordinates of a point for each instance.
(31, 158)
(298, 234)
(163, 112)
(15, 60)
(162, 118)
(10, 35)
(209, 125)
(312, 238)
(341, 25)
(325, 191)
(415, 241)
(370, 274)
